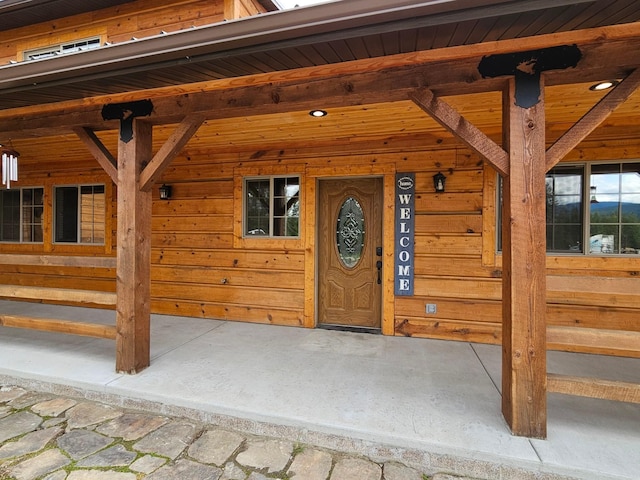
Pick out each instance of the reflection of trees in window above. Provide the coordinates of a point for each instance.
(615, 211)
(609, 221)
(286, 201)
(272, 206)
(564, 209)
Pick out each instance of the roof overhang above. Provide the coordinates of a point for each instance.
(21, 13)
(272, 31)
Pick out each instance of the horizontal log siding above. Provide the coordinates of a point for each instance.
(448, 259)
(200, 270)
(196, 270)
(584, 292)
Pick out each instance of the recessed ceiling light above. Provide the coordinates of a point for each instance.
(603, 85)
(318, 113)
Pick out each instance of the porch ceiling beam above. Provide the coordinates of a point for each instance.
(99, 151)
(173, 145)
(592, 119)
(274, 97)
(451, 71)
(461, 128)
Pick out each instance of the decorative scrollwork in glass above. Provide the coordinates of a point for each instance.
(350, 232)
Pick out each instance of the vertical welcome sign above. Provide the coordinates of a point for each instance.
(404, 232)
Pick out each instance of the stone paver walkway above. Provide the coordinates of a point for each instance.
(48, 437)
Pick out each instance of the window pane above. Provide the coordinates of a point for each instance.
(630, 209)
(92, 213)
(631, 178)
(32, 214)
(286, 206)
(615, 208)
(66, 214)
(603, 239)
(350, 232)
(564, 209)
(10, 215)
(606, 209)
(36, 228)
(564, 238)
(272, 207)
(257, 207)
(630, 239)
(606, 178)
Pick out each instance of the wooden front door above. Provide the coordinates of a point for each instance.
(350, 252)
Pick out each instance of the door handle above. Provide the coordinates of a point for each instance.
(379, 267)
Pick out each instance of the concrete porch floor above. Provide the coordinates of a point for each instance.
(428, 403)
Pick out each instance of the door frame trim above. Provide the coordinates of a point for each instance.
(313, 176)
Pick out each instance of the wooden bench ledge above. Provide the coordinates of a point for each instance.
(605, 342)
(18, 292)
(594, 388)
(60, 326)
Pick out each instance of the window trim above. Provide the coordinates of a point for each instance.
(21, 241)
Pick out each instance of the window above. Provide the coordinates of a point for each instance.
(53, 50)
(564, 187)
(272, 207)
(608, 223)
(614, 208)
(21, 215)
(79, 214)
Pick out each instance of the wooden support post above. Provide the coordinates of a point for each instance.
(524, 373)
(133, 284)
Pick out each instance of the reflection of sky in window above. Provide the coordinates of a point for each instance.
(292, 190)
(568, 185)
(567, 189)
(610, 185)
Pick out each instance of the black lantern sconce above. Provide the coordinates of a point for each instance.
(438, 182)
(165, 192)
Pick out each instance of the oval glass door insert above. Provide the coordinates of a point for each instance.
(350, 232)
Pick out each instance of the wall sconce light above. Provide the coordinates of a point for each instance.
(165, 192)
(438, 182)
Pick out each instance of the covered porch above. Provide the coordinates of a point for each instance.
(344, 391)
(238, 124)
